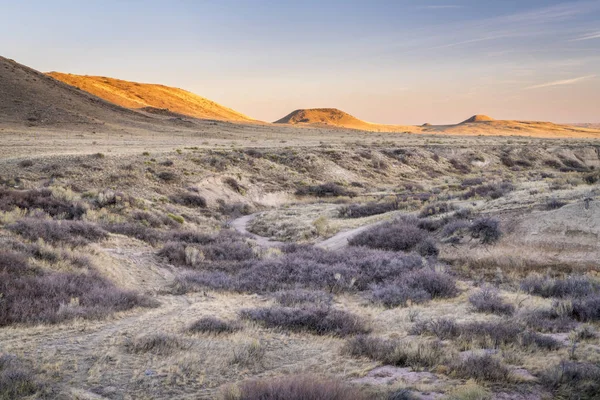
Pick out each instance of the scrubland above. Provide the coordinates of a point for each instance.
(397, 267)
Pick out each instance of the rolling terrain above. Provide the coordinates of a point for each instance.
(157, 99)
(32, 98)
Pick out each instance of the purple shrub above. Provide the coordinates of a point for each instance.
(314, 319)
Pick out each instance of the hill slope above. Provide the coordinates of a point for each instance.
(150, 96)
(334, 118)
(31, 97)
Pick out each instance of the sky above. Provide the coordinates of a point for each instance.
(385, 61)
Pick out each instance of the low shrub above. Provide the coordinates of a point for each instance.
(16, 381)
(394, 295)
(573, 380)
(554, 204)
(42, 199)
(213, 325)
(402, 234)
(489, 301)
(460, 166)
(295, 388)
(160, 344)
(435, 209)
(486, 230)
(484, 334)
(314, 319)
(572, 286)
(32, 297)
(248, 354)
(138, 231)
(366, 210)
(547, 320)
(587, 309)
(234, 185)
(167, 176)
(189, 200)
(482, 368)
(75, 233)
(395, 352)
(468, 182)
(491, 190)
(233, 209)
(295, 297)
(329, 189)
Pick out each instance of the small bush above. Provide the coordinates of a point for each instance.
(395, 352)
(295, 388)
(587, 309)
(33, 297)
(366, 210)
(16, 381)
(573, 286)
(213, 325)
(547, 320)
(161, 344)
(401, 394)
(189, 200)
(489, 301)
(75, 233)
(573, 380)
(471, 182)
(26, 163)
(487, 230)
(402, 234)
(329, 189)
(394, 295)
(554, 204)
(482, 368)
(234, 185)
(317, 320)
(167, 176)
(248, 354)
(460, 166)
(43, 199)
(436, 208)
(233, 209)
(295, 297)
(484, 334)
(138, 231)
(492, 190)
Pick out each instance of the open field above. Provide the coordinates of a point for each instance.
(466, 267)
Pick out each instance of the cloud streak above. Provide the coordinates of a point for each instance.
(561, 82)
(446, 7)
(595, 35)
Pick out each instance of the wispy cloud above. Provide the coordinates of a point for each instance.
(446, 7)
(561, 82)
(595, 35)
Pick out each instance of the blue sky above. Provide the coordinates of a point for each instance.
(404, 62)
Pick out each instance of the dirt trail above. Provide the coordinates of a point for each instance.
(241, 225)
(337, 241)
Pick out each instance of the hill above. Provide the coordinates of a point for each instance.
(151, 97)
(485, 125)
(334, 118)
(30, 97)
(478, 118)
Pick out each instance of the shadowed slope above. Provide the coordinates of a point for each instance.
(151, 98)
(28, 96)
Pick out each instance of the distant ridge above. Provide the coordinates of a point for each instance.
(478, 118)
(156, 99)
(334, 118)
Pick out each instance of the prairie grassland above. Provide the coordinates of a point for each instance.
(459, 267)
